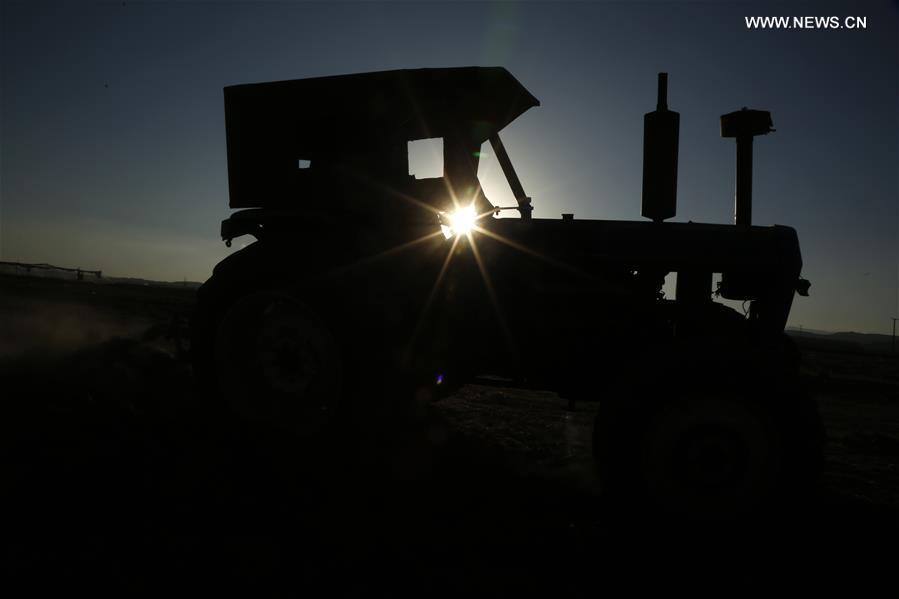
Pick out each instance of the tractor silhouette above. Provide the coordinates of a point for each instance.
(368, 287)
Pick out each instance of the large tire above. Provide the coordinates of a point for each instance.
(362, 384)
(273, 360)
(706, 456)
(711, 457)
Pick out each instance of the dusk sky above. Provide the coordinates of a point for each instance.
(112, 139)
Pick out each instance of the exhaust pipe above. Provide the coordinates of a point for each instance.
(660, 138)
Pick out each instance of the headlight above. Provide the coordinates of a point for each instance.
(459, 222)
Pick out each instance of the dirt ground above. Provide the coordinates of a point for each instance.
(115, 475)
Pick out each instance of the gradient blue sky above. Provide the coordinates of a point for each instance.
(112, 147)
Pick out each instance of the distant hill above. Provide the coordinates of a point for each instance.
(845, 341)
(148, 282)
(49, 271)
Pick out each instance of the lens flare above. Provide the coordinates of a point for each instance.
(461, 222)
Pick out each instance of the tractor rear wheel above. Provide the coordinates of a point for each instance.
(274, 360)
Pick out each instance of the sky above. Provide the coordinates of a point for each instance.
(112, 140)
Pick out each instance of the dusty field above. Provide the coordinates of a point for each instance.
(114, 474)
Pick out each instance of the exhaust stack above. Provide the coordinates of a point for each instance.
(660, 138)
(744, 125)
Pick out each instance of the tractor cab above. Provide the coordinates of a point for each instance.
(335, 149)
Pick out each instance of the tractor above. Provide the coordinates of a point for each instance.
(367, 287)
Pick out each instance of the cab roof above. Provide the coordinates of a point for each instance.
(371, 108)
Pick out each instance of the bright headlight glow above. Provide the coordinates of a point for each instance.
(461, 221)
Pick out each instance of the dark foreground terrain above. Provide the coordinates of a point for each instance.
(116, 476)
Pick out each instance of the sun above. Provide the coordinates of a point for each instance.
(460, 222)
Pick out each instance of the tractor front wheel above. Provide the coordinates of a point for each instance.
(704, 456)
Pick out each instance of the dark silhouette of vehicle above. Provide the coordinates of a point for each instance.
(368, 287)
